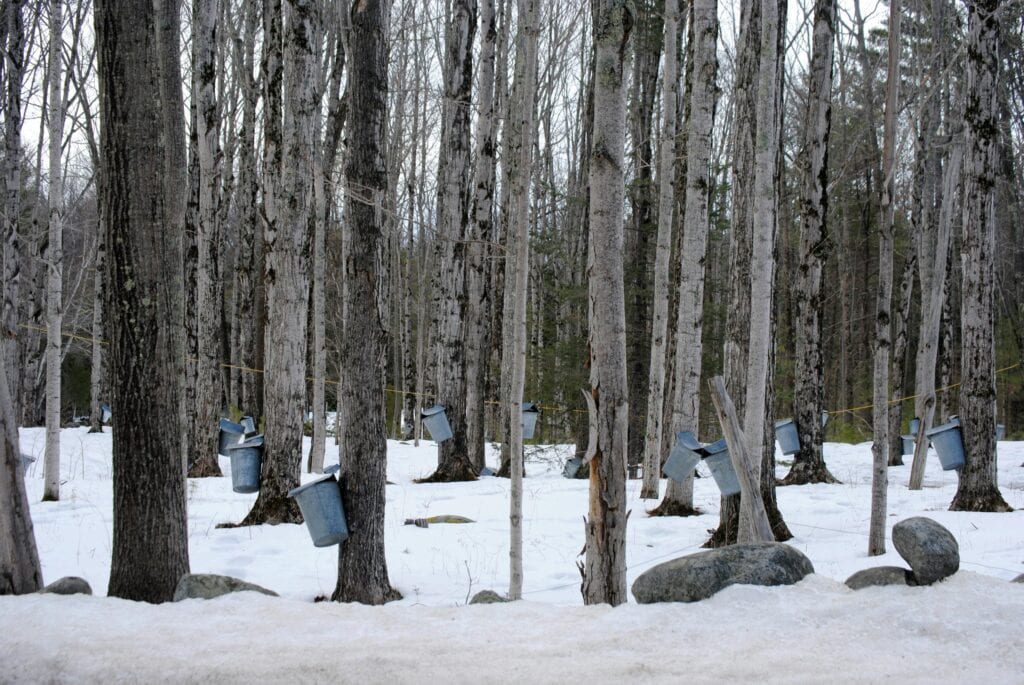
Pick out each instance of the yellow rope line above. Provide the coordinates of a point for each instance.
(553, 408)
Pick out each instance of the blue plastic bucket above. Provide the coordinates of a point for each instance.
(786, 434)
(530, 413)
(948, 444)
(720, 464)
(682, 460)
(320, 503)
(437, 423)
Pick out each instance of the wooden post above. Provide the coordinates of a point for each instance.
(760, 530)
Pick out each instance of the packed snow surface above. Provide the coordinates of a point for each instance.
(966, 629)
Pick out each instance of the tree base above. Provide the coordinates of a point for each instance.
(672, 508)
(95, 429)
(456, 471)
(272, 510)
(374, 597)
(895, 459)
(205, 468)
(987, 502)
(803, 473)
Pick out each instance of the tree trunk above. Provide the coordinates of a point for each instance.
(815, 244)
(286, 276)
(362, 566)
(55, 257)
(20, 572)
(454, 462)
(978, 488)
(12, 249)
(654, 436)
(140, 88)
(883, 340)
(202, 457)
(604, 572)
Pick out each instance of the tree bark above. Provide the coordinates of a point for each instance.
(55, 257)
(604, 573)
(20, 572)
(12, 249)
(978, 487)
(362, 566)
(142, 211)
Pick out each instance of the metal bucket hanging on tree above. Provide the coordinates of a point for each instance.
(231, 433)
(720, 464)
(320, 503)
(787, 435)
(436, 422)
(246, 461)
(530, 413)
(682, 460)
(948, 443)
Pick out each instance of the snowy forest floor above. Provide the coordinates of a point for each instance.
(965, 629)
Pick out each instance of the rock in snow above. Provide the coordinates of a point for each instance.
(487, 597)
(929, 548)
(210, 585)
(69, 585)
(880, 575)
(1018, 579)
(699, 576)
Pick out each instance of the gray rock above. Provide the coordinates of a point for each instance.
(698, 576)
(69, 585)
(930, 549)
(210, 585)
(880, 575)
(488, 597)
(1018, 579)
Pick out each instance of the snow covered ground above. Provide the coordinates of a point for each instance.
(966, 629)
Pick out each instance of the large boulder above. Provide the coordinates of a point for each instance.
(930, 549)
(880, 575)
(488, 597)
(698, 576)
(210, 585)
(69, 585)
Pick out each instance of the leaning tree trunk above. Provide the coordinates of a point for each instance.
(140, 93)
(362, 565)
(604, 571)
(654, 434)
(286, 276)
(519, 151)
(978, 487)
(880, 409)
(55, 258)
(454, 463)
(202, 444)
(815, 244)
(12, 252)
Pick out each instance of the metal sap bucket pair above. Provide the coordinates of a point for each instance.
(683, 458)
(231, 433)
(717, 459)
(787, 435)
(948, 443)
(246, 461)
(437, 424)
(320, 504)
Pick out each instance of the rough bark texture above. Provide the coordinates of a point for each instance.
(654, 435)
(12, 249)
(978, 488)
(142, 211)
(54, 257)
(286, 276)
(202, 443)
(362, 566)
(454, 463)
(604, 573)
(883, 307)
(815, 244)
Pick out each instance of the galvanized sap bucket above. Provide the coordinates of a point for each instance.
(573, 467)
(720, 464)
(682, 460)
(915, 425)
(787, 435)
(436, 422)
(948, 443)
(1000, 431)
(248, 425)
(530, 413)
(908, 444)
(231, 433)
(105, 413)
(246, 460)
(320, 503)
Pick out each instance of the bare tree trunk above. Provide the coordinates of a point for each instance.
(12, 248)
(978, 487)
(55, 258)
(452, 217)
(654, 435)
(20, 572)
(202, 457)
(898, 362)
(287, 276)
(815, 244)
(604, 572)
(362, 566)
(880, 410)
(519, 152)
(140, 89)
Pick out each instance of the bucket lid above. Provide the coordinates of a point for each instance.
(530, 406)
(307, 486)
(231, 427)
(688, 439)
(254, 441)
(715, 448)
(436, 409)
(333, 468)
(955, 423)
(783, 422)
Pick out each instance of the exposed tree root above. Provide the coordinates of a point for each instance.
(990, 501)
(673, 508)
(803, 473)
